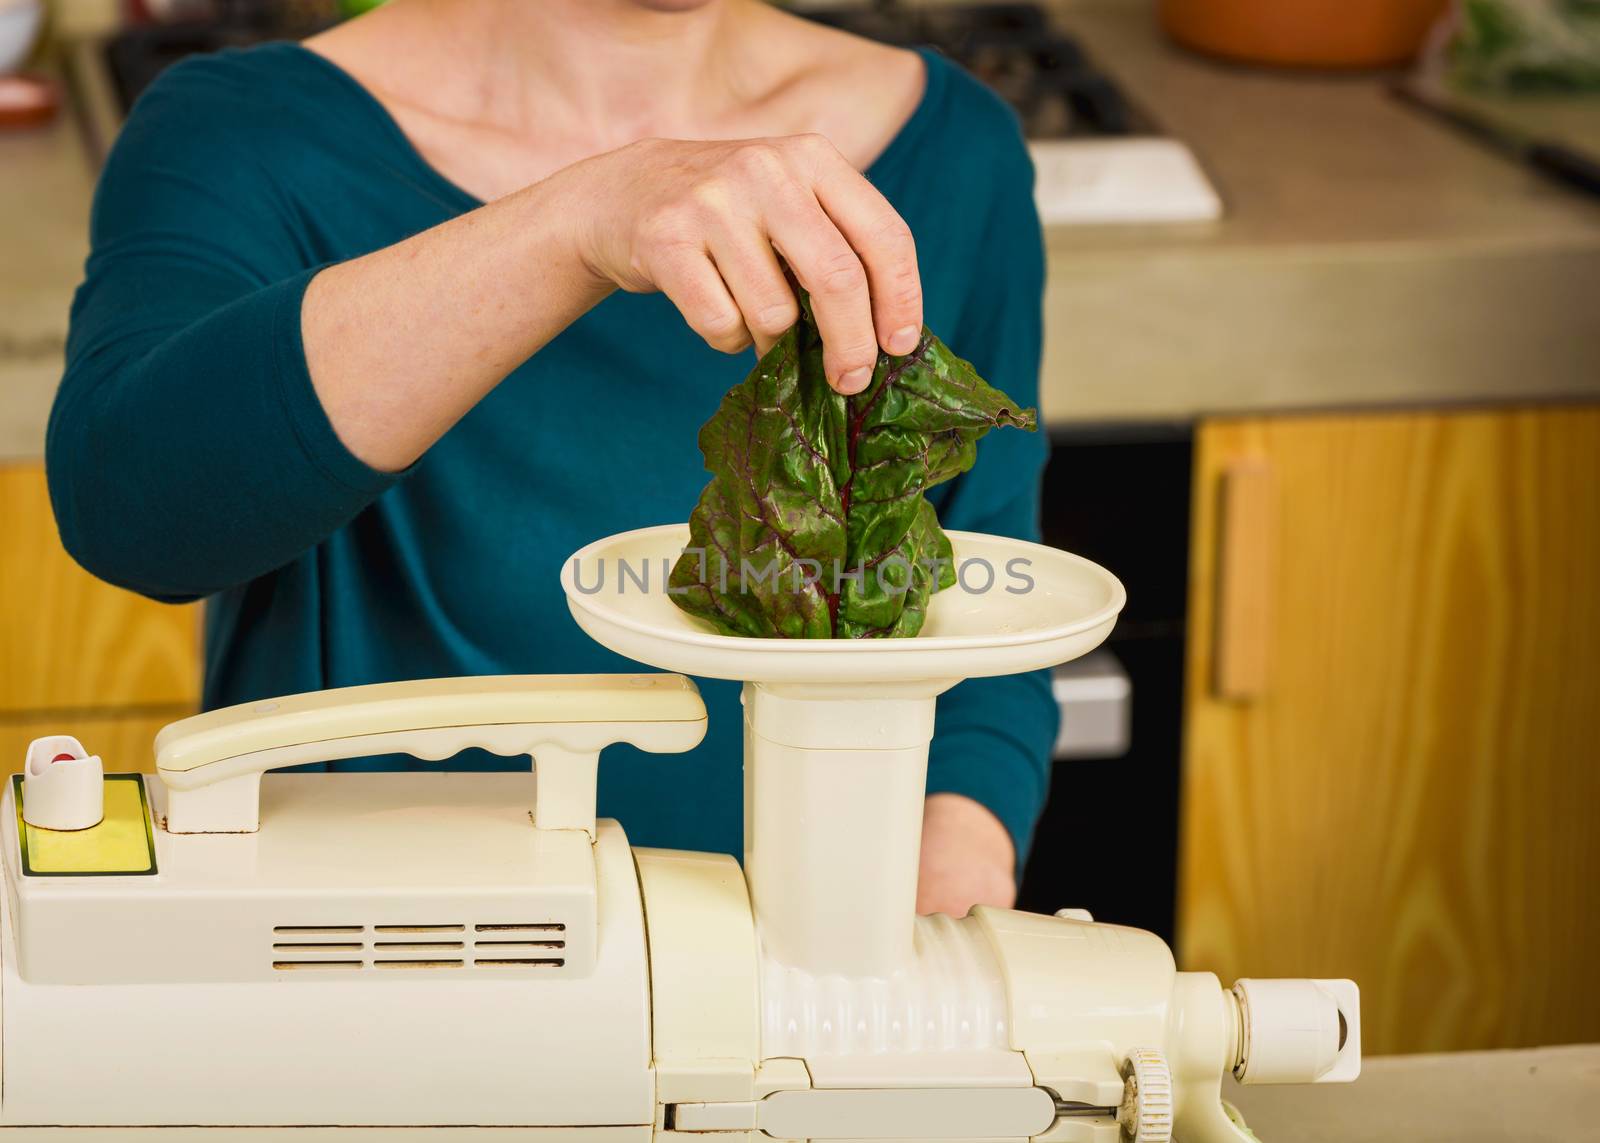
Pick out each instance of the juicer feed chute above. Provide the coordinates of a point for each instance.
(837, 731)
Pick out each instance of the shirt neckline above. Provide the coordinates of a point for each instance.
(933, 66)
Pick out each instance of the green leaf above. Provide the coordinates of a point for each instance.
(814, 525)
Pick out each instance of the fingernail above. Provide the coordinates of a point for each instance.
(855, 380)
(903, 341)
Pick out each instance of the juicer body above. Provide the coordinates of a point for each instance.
(228, 952)
(397, 951)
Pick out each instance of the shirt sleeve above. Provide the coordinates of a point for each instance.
(187, 451)
(994, 737)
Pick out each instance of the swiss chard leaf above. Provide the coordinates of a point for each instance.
(814, 525)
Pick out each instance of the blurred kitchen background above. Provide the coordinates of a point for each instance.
(1322, 378)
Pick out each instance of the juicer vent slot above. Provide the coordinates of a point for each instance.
(315, 930)
(297, 965)
(415, 946)
(408, 963)
(523, 927)
(418, 928)
(318, 946)
(519, 962)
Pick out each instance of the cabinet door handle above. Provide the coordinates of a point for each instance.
(1244, 580)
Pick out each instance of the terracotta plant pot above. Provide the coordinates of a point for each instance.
(1303, 33)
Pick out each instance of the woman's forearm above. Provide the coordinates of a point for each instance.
(401, 343)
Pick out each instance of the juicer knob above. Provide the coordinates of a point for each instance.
(63, 785)
(1146, 1112)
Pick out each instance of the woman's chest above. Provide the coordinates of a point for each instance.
(600, 425)
(489, 163)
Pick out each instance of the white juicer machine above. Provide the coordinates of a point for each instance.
(216, 950)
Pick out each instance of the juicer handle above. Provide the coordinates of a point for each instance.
(212, 763)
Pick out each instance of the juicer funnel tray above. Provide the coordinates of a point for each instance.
(1018, 607)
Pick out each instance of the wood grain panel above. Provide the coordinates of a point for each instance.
(1410, 801)
(125, 743)
(70, 641)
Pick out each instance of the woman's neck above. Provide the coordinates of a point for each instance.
(498, 94)
(613, 70)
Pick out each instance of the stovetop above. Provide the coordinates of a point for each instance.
(1044, 74)
(138, 54)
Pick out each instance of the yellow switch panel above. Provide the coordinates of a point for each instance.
(121, 845)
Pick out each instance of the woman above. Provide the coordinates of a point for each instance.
(377, 329)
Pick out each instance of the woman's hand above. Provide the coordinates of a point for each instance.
(712, 225)
(967, 858)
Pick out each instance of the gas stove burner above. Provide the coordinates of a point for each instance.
(1055, 88)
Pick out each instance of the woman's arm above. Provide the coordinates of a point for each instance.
(228, 404)
(403, 342)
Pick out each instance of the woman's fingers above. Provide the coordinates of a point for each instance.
(707, 223)
(884, 243)
(831, 271)
(693, 284)
(750, 270)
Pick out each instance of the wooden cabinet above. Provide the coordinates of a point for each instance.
(77, 655)
(1392, 755)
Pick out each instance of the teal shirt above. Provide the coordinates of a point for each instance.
(189, 457)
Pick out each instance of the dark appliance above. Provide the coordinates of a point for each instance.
(1108, 839)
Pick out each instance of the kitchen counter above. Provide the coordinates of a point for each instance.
(1538, 1095)
(1369, 256)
